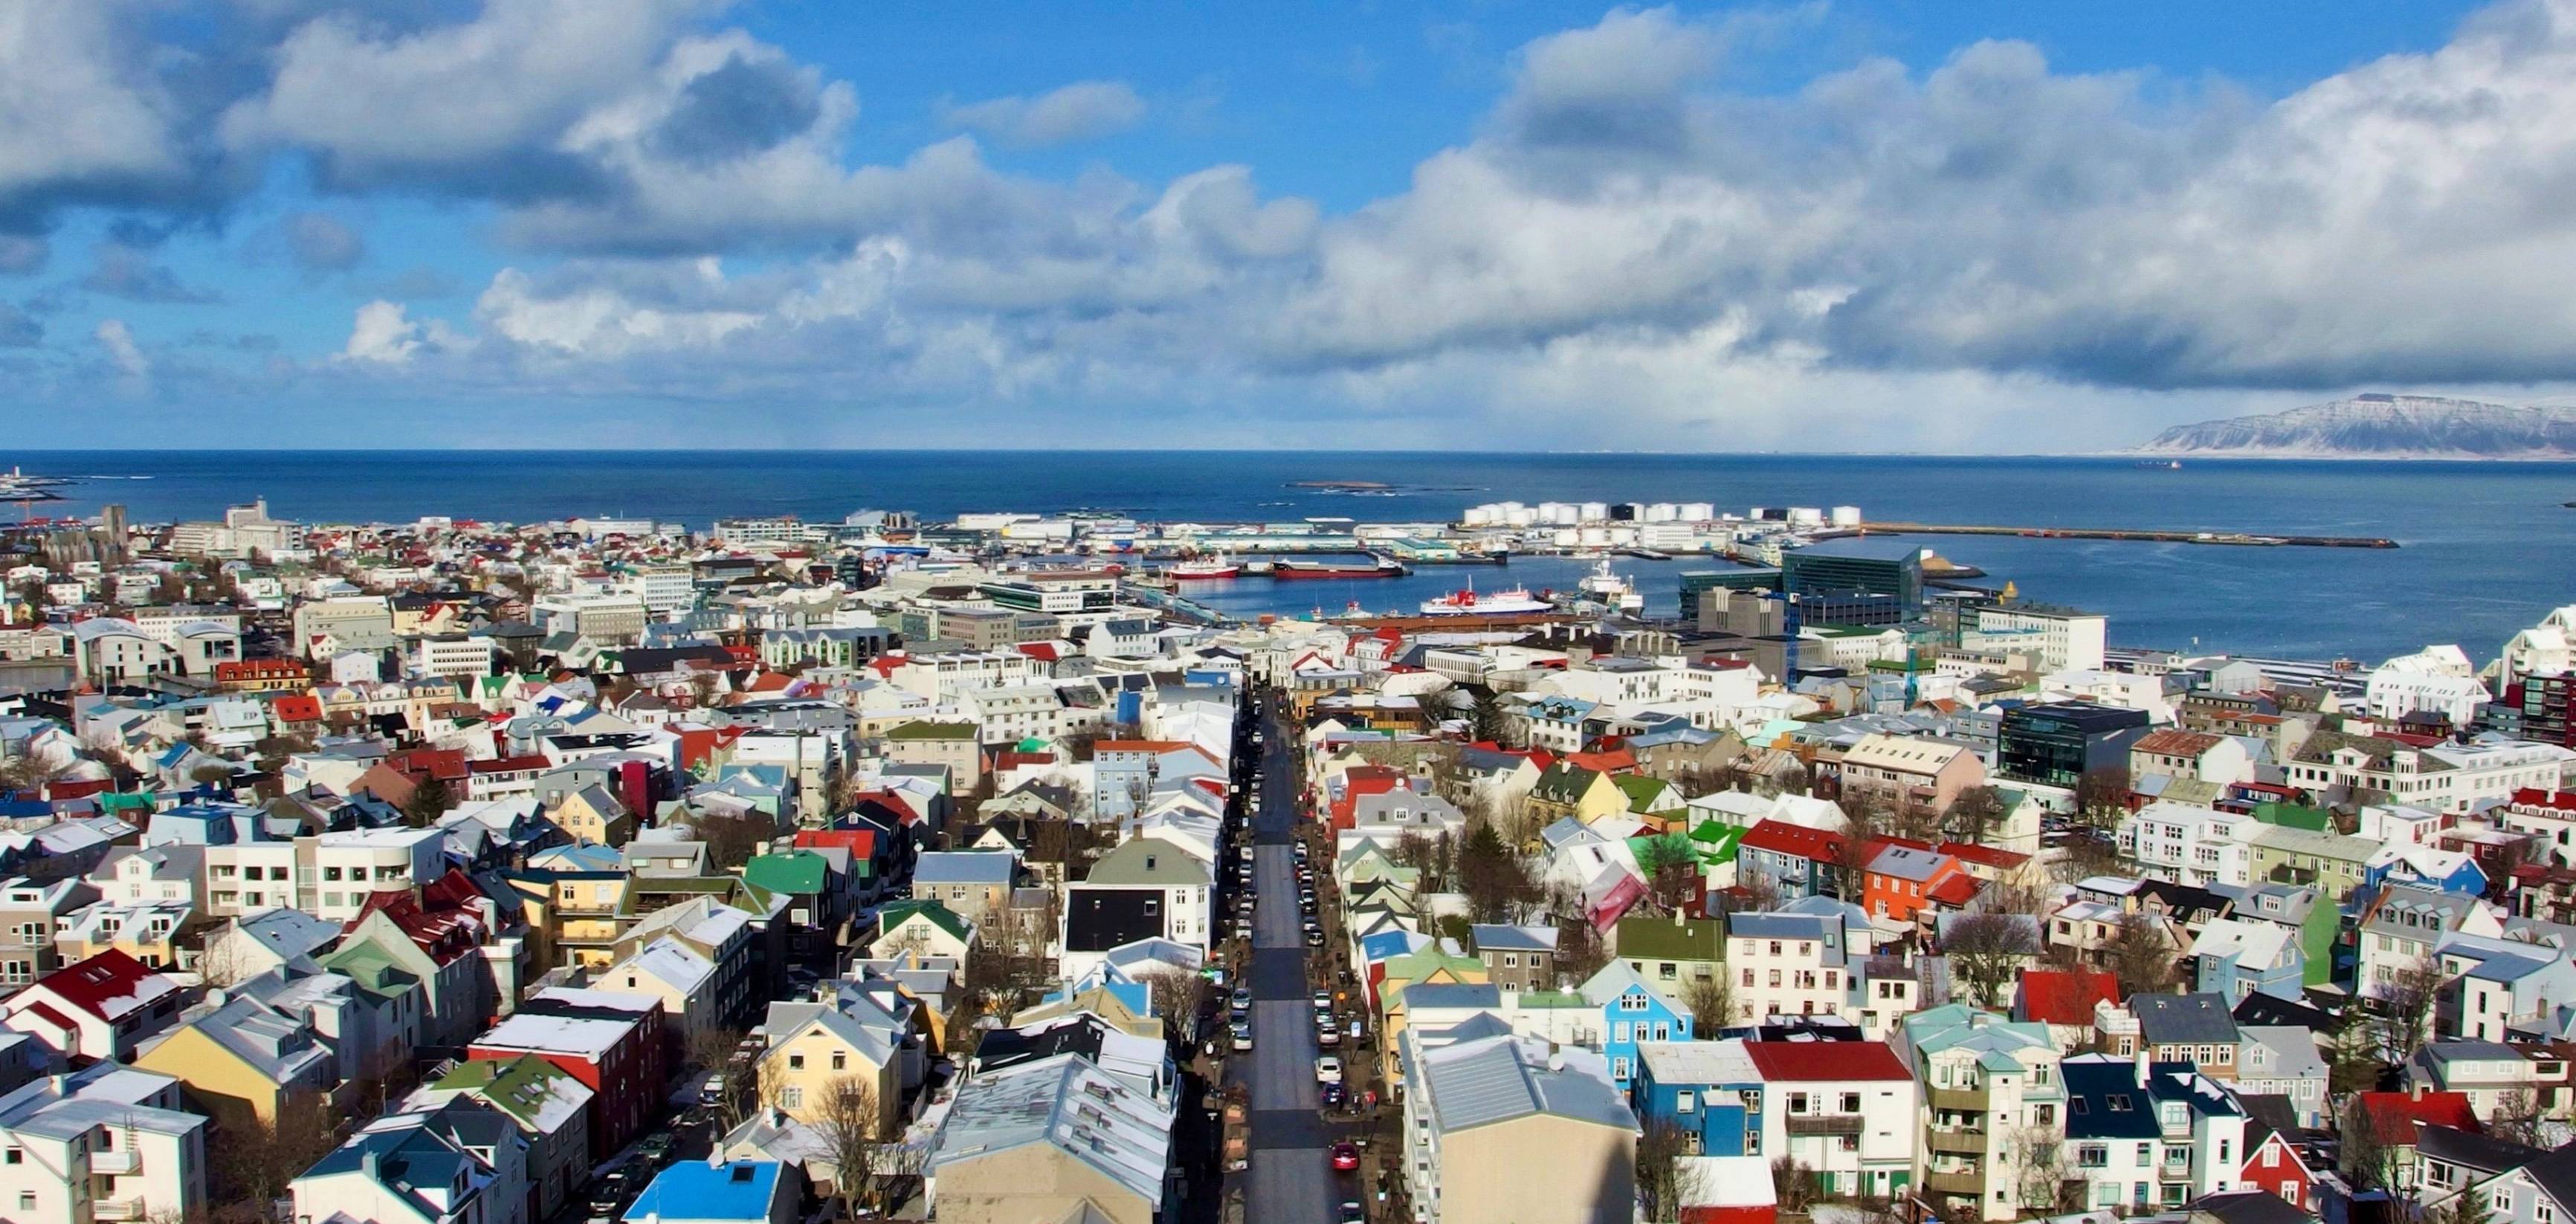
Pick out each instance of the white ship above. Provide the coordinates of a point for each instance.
(1511, 602)
(1612, 590)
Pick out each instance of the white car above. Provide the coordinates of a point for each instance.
(1328, 1070)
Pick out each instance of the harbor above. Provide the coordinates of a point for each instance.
(2142, 534)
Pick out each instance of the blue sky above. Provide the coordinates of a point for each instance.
(1823, 226)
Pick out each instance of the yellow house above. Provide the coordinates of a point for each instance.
(1571, 790)
(811, 1047)
(592, 816)
(240, 1059)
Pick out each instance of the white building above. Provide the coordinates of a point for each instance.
(2061, 639)
(2434, 680)
(2195, 845)
(103, 1143)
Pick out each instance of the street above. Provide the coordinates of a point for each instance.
(1292, 1179)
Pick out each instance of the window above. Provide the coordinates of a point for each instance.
(1851, 1103)
(2092, 1156)
(1511, 960)
(1797, 1102)
(840, 1061)
(795, 1062)
(1665, 970)
(1683, 1102)
(1619, 1032)
(791, 1098)
(17, 1155)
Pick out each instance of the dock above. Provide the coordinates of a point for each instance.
(2148, 535)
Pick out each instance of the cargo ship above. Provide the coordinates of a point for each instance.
(1514, 601)
(1374, 567)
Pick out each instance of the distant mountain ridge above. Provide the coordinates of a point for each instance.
(2383, 427)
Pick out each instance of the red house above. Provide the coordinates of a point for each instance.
(2274, 1165)
(612, 1042)
(2064, 997)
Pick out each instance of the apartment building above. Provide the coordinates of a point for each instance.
(104, 1143)
(1985, 1080)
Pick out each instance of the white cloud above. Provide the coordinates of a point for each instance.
(127, 356)
(1084, 110)
(384, 334)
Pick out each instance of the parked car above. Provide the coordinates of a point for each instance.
(1326, 1034)
(654, 1149)
(1314, 938)
(1242, 1036)
(1333, 1094)
(1322, 999)
(1352, 1213)
(1346, 1157)
(1328, 1070)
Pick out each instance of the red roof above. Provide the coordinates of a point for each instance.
(2065, 996)
(1825, 1060)
(108, 985)
(444, 764)
(2394, 1115)
(1619, 761)
(861, 843)
(1991, 856)
(508, 764)
(1959, 889)
(1041, 651)
(2534, 797)
(298, 707)
(1782, 837)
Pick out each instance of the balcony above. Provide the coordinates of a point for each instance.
(117, 1209)
(1966, 1100)
(1972, 1185)
(1824, 1124)
(114, 1163)
(1962, 1142)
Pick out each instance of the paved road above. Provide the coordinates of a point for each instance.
(1292, 1182)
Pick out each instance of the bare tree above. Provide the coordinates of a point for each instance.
(2142, 955)
(2038, 1156)
(2404, 1006)
(2517, 1117)
(1793, 1184)
(1987, 951)
(2367, 1157)
(1664, 1181)
(255, 1159)
(712, 1051)
(1854, 847)
(1579, 951)
(734, 840)
(1712, 1004)
(846, 1121)
(1176, 997)
(1974, 813)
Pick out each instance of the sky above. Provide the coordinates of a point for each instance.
(1845, 225)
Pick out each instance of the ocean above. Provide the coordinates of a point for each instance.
(2485, 549)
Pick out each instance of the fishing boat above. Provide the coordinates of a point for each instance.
(1612, 590)
(1205, 569)
(1512, 601)
(1374, 567)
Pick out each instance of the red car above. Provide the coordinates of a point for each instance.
(1346, 1157)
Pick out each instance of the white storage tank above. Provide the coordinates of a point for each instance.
(1807, 516)
(1594, 512)
(1520, 516)
(1846, 516)
(1623, 537)
(1662, 512)
(1479, 516)
(1698, 512)
(1596, 537)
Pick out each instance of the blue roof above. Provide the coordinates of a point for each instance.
(1385, 944)
(735, 1190)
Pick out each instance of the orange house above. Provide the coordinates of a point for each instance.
(1901, 880)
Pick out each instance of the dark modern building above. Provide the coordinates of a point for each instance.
(1858, 565)
(2057, 743)
(1697, 583)
(2548, 709)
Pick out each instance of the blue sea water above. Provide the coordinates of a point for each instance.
(2486, 548)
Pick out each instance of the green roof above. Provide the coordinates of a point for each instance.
(893, 913)
(932, 731)
(1641, 790)
(118, 802)
(1695, 939)
(2295, 816)
(517, 1086)
(1717, 842)
(796, 871)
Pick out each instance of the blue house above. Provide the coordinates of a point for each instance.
(735, 1192)
(2450, 871)
(1710, 1089)
(2236, 957)
(1632, 1014)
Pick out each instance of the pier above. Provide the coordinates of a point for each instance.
(2147, 535)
